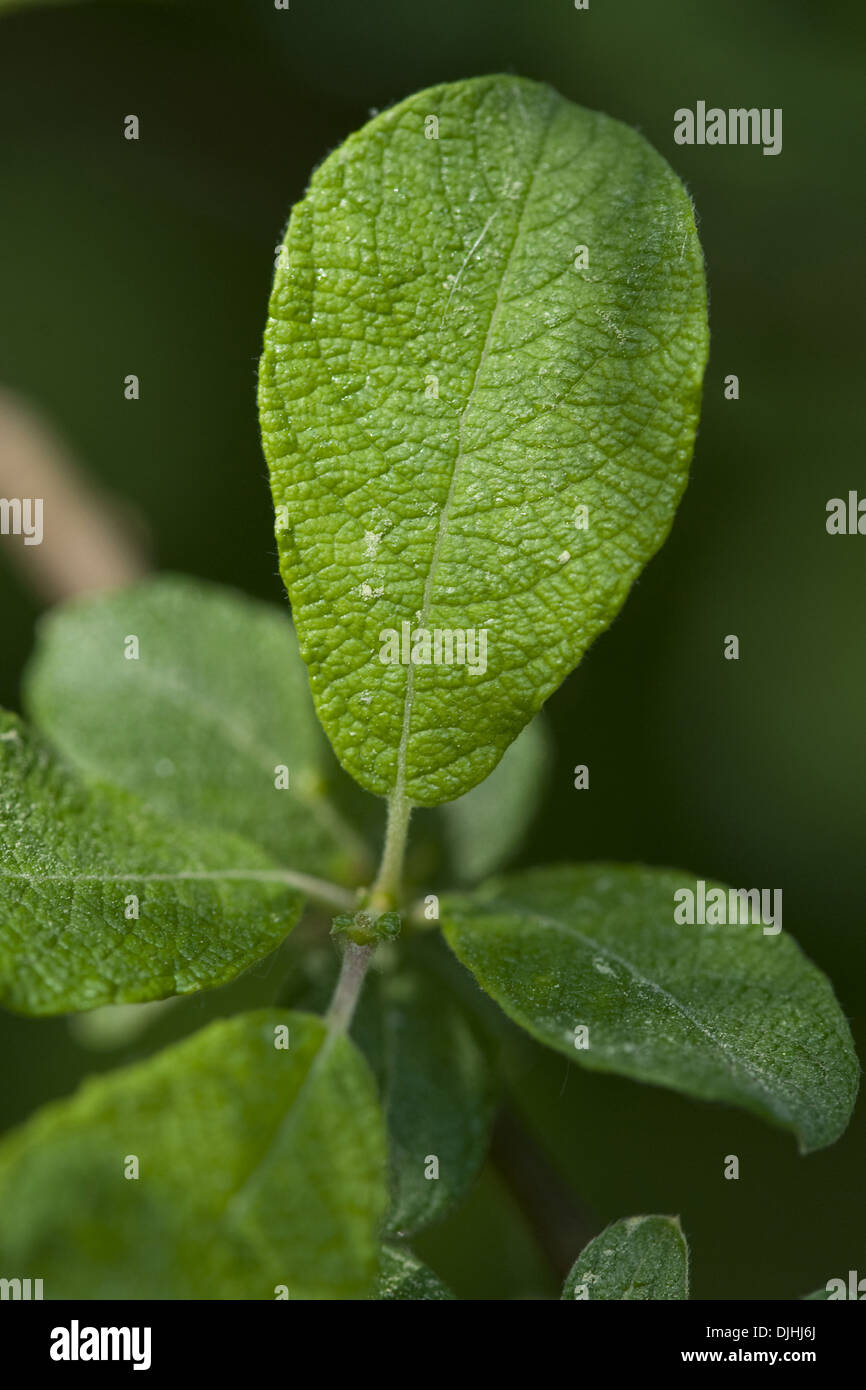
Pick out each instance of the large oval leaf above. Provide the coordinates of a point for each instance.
(447, 381)
(258, 1167)
(720, 1012)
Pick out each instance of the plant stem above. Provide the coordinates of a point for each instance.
(384, 896)
(385, 893)
(354, 965)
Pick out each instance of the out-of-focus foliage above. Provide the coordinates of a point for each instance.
(236, 1164)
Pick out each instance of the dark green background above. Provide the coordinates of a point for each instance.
(156, 258)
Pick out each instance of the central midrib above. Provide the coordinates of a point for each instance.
(399, 792)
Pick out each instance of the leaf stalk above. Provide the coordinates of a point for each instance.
(386, 891)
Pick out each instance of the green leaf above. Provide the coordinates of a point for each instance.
(75, 865)
(436, 1094)
(443, 385)
(258, 1167)
(641, 1257)
(720, 1012)
(434, 1082)
(403, 1276)
(198, 723)
(486, 827)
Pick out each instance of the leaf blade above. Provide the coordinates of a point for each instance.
(724, 1013)
(403, 1277)
(206, 1120)
(637, 1258)
(198, 723)
(437, 1096)
(76, 862)
(435, 1084)
(397, 504)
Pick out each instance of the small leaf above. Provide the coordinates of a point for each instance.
(205, 715)
(641, 1257)
(484, 828)
(258, 1167)
(434, 1083)
(478, 394)
(436, 1093)
(102, 902)
(403, 1276)
(719, 1012)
